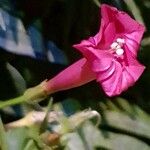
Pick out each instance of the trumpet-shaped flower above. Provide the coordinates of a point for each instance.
(110, 56)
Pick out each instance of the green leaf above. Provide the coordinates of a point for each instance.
(17, 138)
(17, 78)
(31, 145)
(93, 137)
(109, 140)
(22, 139)
(135, 10)
(3, 141)
(45, 121)
(127, 117)
(72, 141)
(88, 137)
(126, 123)
(122, 142)
(97, 2)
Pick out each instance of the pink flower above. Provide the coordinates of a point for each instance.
(110, 56)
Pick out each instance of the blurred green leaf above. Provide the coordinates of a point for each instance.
(125, 122)
(17, 138)
(86, 137)
(71, 106)
(89, 138)
(97, 2)
(147, 3)
(19, 82)
(3, 141)
(127, 117)
(135, 10)
(5, 4)
(146, 41)
(132, 110)
(30, 145)
(45, 121)
(93, 138)
(72, 141)
(122, 142)
(23, 139)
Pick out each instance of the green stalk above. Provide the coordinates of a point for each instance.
(13, 101)
(35, 94)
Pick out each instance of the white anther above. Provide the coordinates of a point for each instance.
(119, 51)
(120, 40)
(114, 45)
(118, 46)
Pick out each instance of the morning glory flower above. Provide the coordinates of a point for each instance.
(110, 56)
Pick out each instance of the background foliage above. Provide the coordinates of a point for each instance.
(36, 39)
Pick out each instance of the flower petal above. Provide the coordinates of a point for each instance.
(111, 84)
(108, 36)
(133, 40)
(117, 79)
(106, 74)
(113, 73)
(135, 71)
(75, 75)
(99, 60)
(124, 23)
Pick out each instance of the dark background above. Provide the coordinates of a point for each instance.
(64, 23)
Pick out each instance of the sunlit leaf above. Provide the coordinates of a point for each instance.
(55, 55)
(14, 39)
(45, 50)
(2, 23)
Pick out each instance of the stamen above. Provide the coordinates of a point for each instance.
(114, 45)
(118, 46)
(120, 40)
(119, 51)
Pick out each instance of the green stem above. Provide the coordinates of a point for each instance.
(32, 94)
(13, 101)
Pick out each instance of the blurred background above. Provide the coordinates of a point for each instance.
(36, 39)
